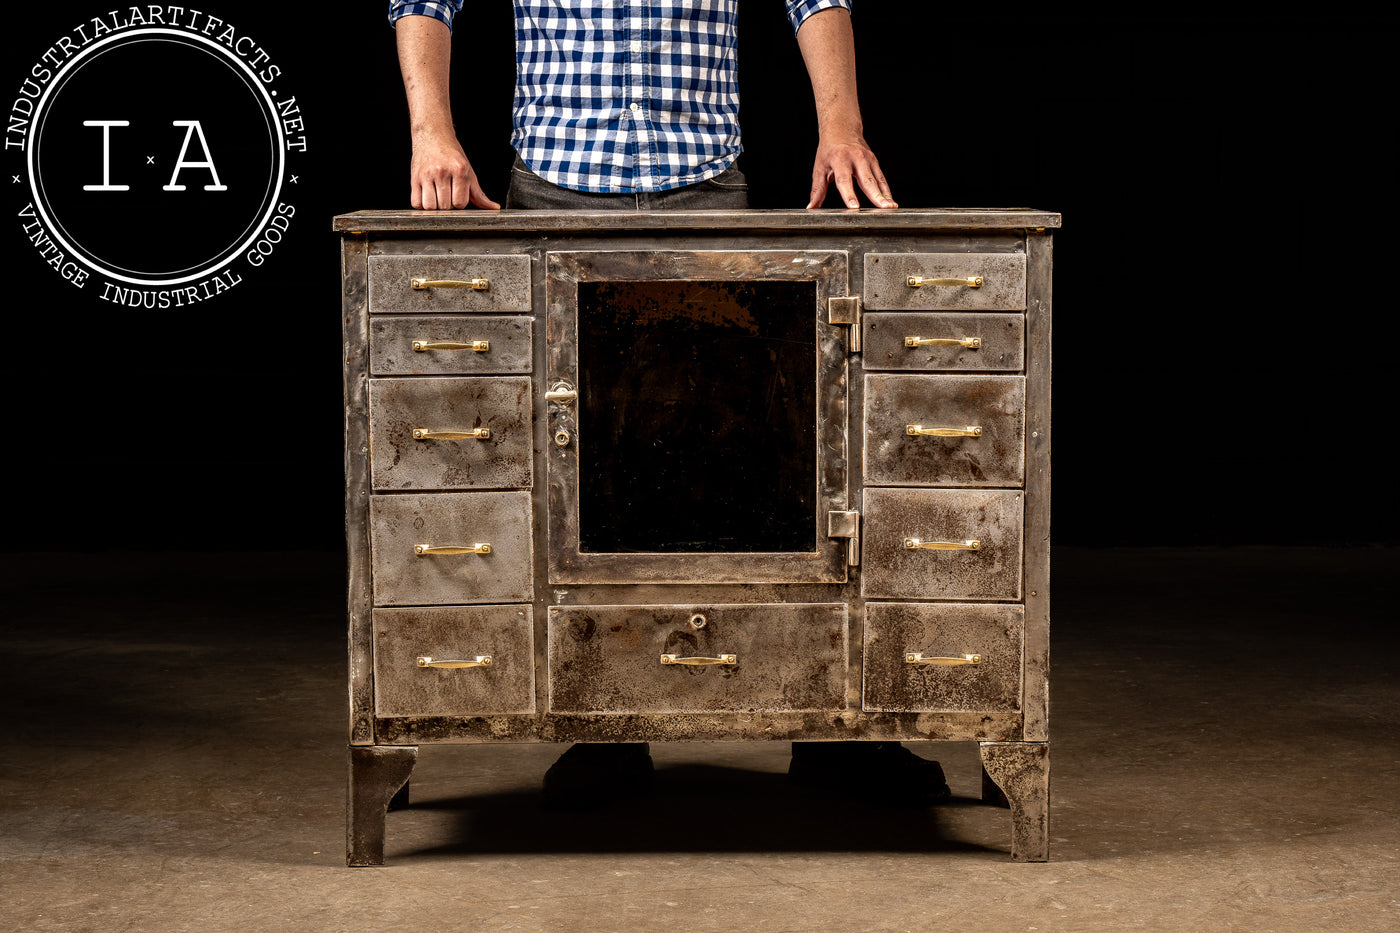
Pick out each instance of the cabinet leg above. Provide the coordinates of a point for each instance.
(377, 773)
(1021, 770)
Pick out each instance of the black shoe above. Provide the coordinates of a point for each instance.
(886, 773)
(591, 774)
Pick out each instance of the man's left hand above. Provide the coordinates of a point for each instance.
(848, 164)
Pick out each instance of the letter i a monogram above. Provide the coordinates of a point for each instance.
(106, 155)
(191, 128)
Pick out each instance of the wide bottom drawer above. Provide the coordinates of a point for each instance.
(681, 659)
(454, 661)
(923, 657)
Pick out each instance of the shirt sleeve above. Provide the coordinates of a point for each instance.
(442, 10)
(799, 10)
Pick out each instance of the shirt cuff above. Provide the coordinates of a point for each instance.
(442, 10)
(799, 10)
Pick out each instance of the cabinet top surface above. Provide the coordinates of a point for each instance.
(851, 221)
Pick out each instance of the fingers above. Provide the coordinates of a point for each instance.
(872, 182)
(454, 191)
(847, 190)
(441, 178)
(849, 167)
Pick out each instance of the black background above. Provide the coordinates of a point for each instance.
(1224, 282)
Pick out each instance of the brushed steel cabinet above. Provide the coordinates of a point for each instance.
(856, 550)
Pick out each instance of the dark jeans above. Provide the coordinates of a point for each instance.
(726, 191)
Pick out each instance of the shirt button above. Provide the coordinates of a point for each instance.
(635, 107)
(636, 46)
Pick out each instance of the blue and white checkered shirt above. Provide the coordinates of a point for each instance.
(624, 95)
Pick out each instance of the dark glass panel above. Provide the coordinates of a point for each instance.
(697, 416)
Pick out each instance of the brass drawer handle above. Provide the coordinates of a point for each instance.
(427, 550)
(482, 660)
(722, 659)
(918, 430)
(915, 657)
(480, 346)
(913, 544)
(478, 285)
(971, 281)
(967, 343)
(423, 434)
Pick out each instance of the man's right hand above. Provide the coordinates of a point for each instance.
(442, 178)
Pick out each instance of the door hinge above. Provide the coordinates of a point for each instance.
(846, 312)
(846, 525)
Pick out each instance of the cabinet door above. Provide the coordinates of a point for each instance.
(698, 416)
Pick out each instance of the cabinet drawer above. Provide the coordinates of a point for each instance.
(917, 657)
(412, 423)
(990, 411)
(496, 640)
(1003, 277)
(608, 659)
(1000, 339)
(391, 291)
(449, 345)
(896, 518)
(399, 525)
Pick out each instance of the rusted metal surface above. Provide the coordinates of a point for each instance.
(391, 353)
(991, 517)
(403, 687)
(991, 632)
(859, 689)
(851, 725)
(848, 223)
(1022, 771)
(501, 405)
(607, 659)
(1002, 337)
(354, 322)
(1037, 515)
(1003, 285)
(391, 288)
(994, 405)
(568, 562)
(376, 774)
(400, 523)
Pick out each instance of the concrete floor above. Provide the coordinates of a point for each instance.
(1226, 739)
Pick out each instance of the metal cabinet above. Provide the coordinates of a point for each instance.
(739, 476)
